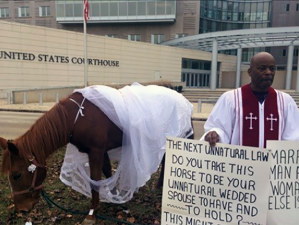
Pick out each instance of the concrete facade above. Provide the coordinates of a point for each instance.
(229, 79)
(33, 18)
(34, 56)
(186, 22)
(284, 14)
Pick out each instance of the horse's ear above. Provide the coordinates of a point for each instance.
(3, 143)
(12, 148)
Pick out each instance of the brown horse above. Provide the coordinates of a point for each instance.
(24, 159)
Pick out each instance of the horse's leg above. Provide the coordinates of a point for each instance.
(107, 171)
(161, 178)
(96, 165)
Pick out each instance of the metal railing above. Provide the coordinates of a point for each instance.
(101, 11)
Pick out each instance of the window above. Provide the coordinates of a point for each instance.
(297, 7)
(281, 68)
(69, 10)
(23, 11)
(134, 37)
(185, 63)
(296, 52)
(94, 9)
(287, 7)
(196, 64)
(141, 8)
(284, 52)
(157, 38)
(44, 11)
(104, 6)
(181, 35)
(78, 10)
(132, 7)
(113, 9)
(123, 10)
(4, 12)
(111, 35)
(60, 9)
(151, 8)
(160, 8)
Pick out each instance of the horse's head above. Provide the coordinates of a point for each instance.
(25, 175)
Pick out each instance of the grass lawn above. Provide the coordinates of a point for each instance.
(144, 208)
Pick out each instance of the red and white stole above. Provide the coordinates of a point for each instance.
(251, 117)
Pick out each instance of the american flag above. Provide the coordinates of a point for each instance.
(86, 10)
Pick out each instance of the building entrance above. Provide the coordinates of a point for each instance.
(198, 79)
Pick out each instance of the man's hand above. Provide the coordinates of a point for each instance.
(212, 137)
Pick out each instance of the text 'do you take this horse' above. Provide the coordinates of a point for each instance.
(131, 122)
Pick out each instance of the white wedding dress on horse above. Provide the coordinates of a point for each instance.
(146, 115)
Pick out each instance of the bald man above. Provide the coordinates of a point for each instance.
(254, 113)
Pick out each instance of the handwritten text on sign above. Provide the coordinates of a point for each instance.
(222, 185)
(284, 183)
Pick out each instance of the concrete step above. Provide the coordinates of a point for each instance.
(211, 97)
(213, 94)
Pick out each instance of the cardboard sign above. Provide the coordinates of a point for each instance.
(221, 185)
(283, 208)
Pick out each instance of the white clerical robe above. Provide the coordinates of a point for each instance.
(229, 121)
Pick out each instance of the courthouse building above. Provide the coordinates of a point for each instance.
(34, 56)
(42, 42)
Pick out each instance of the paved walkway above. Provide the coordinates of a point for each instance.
(35, 107)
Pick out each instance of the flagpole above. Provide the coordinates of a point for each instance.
(85, 57)
(85, 45)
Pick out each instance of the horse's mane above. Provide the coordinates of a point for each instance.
(48, 133)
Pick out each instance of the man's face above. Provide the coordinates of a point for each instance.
(262, 72)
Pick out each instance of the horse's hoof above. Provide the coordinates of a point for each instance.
(88, 222)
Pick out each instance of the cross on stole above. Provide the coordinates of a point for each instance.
(271, 120)
(250, 118)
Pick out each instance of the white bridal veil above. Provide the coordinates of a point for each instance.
(146, 115)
